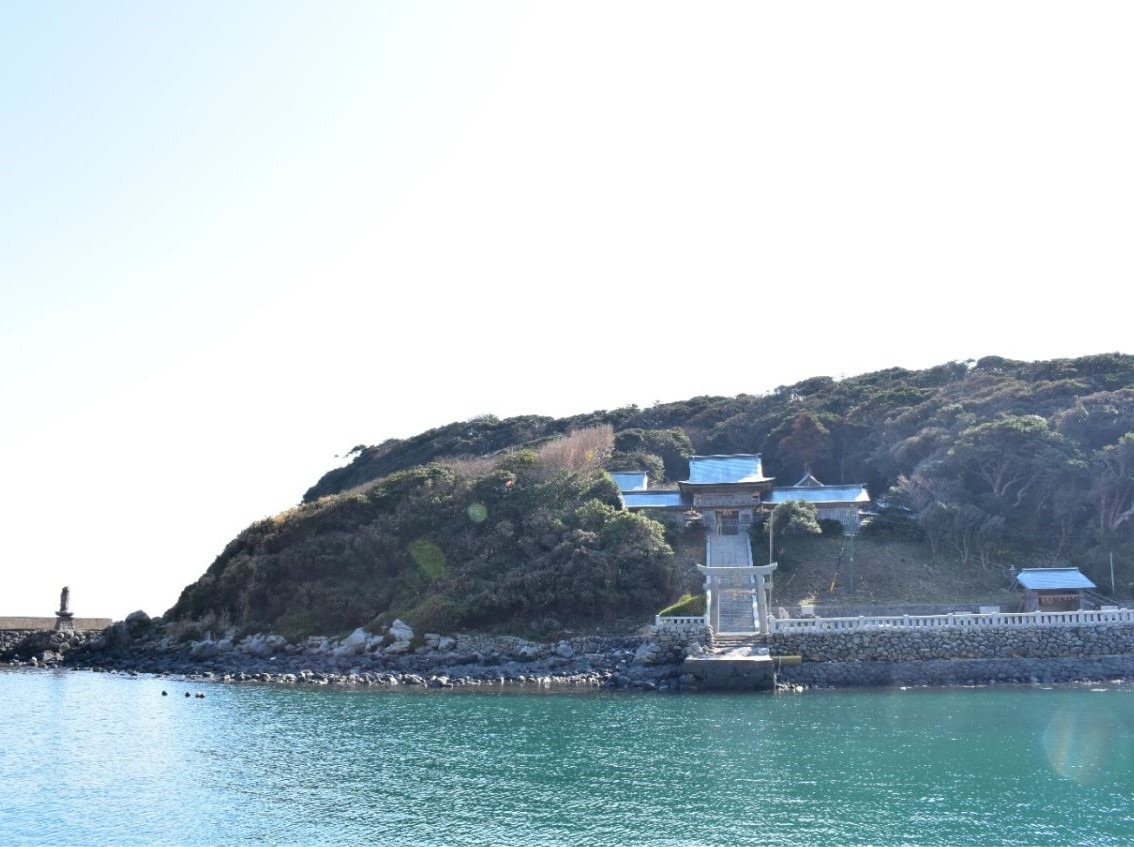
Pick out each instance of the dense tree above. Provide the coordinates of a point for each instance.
(1099, 419)
(1113, 489)
(787, 519)
(1010, 457)
(996, 460)
(807, 442)
(671, 445)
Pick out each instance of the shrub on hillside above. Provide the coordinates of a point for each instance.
(579, 451)
(831, 528)
(444, 551)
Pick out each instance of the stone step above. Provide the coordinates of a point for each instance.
(729, 550)
(749, 645)
(735, 613)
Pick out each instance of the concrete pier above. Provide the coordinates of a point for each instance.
(731, 672)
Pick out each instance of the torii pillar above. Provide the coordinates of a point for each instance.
(755, 578)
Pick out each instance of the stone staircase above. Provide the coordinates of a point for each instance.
(729, 550)
(735, 604)
(739, 644)
(736, 614)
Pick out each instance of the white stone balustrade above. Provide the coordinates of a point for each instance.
(954, 620)
(679, 620)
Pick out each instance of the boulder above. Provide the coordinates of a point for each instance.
(646, 653)
(353, 644)
(527, 652)
(564, 650)
(207, 649)
(118, 636)
(401, 631)
(317, 645)
(138, 623)
(262, 646)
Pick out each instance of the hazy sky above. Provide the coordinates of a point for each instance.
(238, 238)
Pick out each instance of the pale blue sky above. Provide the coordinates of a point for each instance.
(237, 239)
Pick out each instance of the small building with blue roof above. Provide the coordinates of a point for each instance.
(1053, 589)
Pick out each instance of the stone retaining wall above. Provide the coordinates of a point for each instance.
(671, 643)
(898, 645)
(958, 657)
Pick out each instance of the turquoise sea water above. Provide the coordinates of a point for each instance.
(97, 759)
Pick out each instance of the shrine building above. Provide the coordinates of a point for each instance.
(724, 494)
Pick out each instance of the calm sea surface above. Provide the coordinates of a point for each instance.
(96, 759)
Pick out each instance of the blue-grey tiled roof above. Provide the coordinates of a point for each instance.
(849, 494)
(715, 470)
(1037, 579)
(630, 480)
(653, 499)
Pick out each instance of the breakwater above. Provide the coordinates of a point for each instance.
(27, 624)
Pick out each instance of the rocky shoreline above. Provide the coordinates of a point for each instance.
(392, 658)
(397, 657)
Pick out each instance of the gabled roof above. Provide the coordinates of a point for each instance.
(808, 481)
(849, 494)
(630, 480)
(724, 470)
(1038, 579)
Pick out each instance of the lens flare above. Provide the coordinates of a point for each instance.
(428, 557)
(1078, 744)
(477, 512)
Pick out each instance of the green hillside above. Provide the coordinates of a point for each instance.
(527, 542)
(512, 523)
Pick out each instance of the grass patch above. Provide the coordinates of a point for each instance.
(689, 605)
(884, 572)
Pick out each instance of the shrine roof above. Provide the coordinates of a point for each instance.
(630, 480)
(653, 499)
(822, 494)
(1038, 579)
(725, 470)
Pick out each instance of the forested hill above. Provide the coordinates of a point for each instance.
(993, 459)
(1065, 417)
